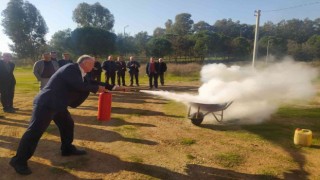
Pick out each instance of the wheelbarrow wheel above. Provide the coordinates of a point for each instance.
(196, 118)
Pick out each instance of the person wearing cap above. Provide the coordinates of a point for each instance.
(43, 69)
(65, 59)
(7, 83)
(69, 86)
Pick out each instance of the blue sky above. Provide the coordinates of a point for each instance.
(146, 15)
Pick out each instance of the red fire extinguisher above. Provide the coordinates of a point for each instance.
(104, 107)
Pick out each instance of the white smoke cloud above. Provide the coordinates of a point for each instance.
(256, 93)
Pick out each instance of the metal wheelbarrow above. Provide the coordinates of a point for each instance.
(204, 109)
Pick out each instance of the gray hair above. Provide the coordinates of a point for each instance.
(83, 58)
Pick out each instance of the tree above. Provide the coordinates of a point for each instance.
(61, 41)
(202, 26)
(228, 28)
(159, 47)
(296, 30)
(159, 32)
(206, 43)
(183, 24)
(240, 47)
(93, 16)
(168, 25)
(277, 46)
(141, 40)
(95, 41)
(314, 44)
(26, 28)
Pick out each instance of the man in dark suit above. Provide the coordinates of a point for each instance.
(133, 67)
(152, 72)
(67, 87)
(162, 70)
(65, 59)
(7, 83)
(110, 68)
(121, 71)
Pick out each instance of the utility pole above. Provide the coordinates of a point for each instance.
(267, 58)
(256, 36)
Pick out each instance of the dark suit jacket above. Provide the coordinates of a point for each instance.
(6, 76)
(65, 88)
(156, 67)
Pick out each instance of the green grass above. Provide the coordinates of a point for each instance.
(230, 159)
(26, 81)
(187, 141)
(190, 157)
(175, 108)
(135, 159)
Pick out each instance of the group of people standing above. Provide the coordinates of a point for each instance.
(116, 70)
(44, 68)
(67, 87)
(64, 84)
(154, 70)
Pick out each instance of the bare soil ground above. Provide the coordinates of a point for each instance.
(150, 138)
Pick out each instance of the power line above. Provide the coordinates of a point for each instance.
(292, 7)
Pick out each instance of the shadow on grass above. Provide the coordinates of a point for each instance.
(117, 122)
(280, 131)
(13, 122)
(90, 133)
(140, 112)
(103, 164)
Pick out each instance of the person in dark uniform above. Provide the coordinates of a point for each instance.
(121, 71)
(96, 71)
(67, 87)
(7, 83)
(133, 66)
(152, 72)
(110, 68)
(162, 70)
(65, 59)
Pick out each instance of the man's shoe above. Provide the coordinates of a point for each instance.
(75, 152)
(9, 110)
(20, 169)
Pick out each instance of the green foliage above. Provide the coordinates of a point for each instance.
(190, 157)
(240, 46)
(159, 47)
(183, 24)
(187, 141)
(93, 16)
(229, 160)
(95, 41)
(26, 28)
(202, 26)
(61, 41)
(314, 44)
(141, 40)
